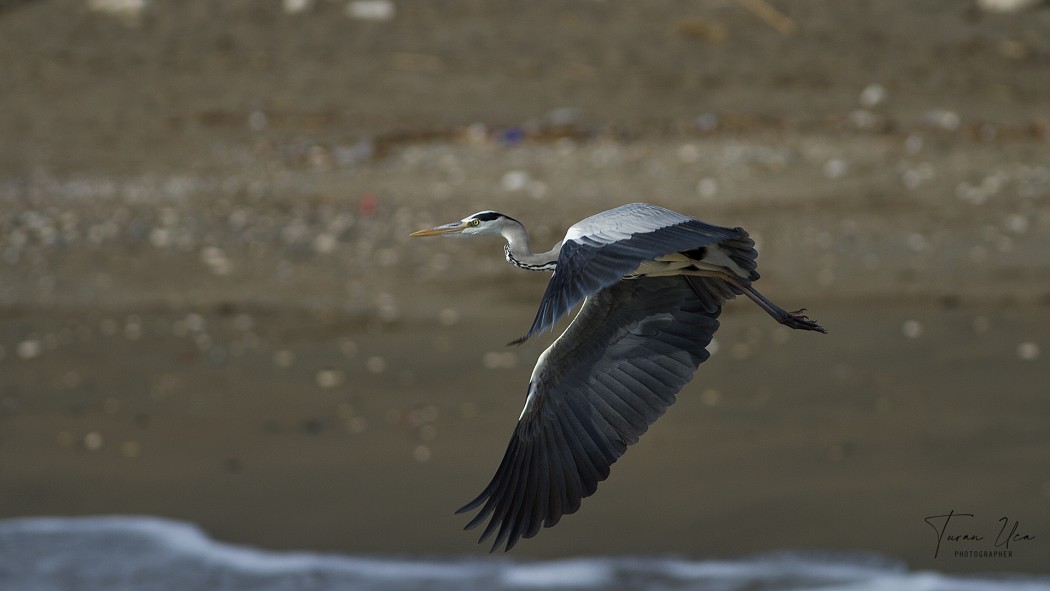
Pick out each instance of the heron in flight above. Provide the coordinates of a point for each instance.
(653, 283)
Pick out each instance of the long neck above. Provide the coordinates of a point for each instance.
(520, 255)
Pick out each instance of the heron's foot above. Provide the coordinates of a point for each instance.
(799, 320)
(796, 319)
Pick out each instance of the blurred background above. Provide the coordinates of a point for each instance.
(210, 309)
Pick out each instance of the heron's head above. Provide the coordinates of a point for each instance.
(479, 224)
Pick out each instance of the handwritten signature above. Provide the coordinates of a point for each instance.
(1009, 531)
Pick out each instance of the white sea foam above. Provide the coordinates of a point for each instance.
(580, 573)
(147, 553)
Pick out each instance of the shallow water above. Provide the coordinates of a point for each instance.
(114, 553)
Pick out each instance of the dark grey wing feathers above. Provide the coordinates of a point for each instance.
(614, 371)
(589, 263)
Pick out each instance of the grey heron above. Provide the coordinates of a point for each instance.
(653, 283)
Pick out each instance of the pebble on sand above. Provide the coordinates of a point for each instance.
(330, 378)
(371, 10)
(283, 358)
(30, 349)
(375, 364)
(93, 441)
(912, 329)
(872, 95)
(1028, 351)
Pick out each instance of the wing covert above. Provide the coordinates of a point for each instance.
(600, 250)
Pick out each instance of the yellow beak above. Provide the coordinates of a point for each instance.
(453, 228)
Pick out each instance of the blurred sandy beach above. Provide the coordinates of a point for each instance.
(210, 308)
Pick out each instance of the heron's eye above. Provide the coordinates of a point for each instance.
(475, 222)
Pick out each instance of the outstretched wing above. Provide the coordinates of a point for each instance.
(594, 391)
(598, 251)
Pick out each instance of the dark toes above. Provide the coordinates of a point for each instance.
(799, 321)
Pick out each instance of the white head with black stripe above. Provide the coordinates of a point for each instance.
(493, 223)
(483, 223)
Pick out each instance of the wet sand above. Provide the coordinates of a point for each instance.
(234, 328)
(783, 441)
